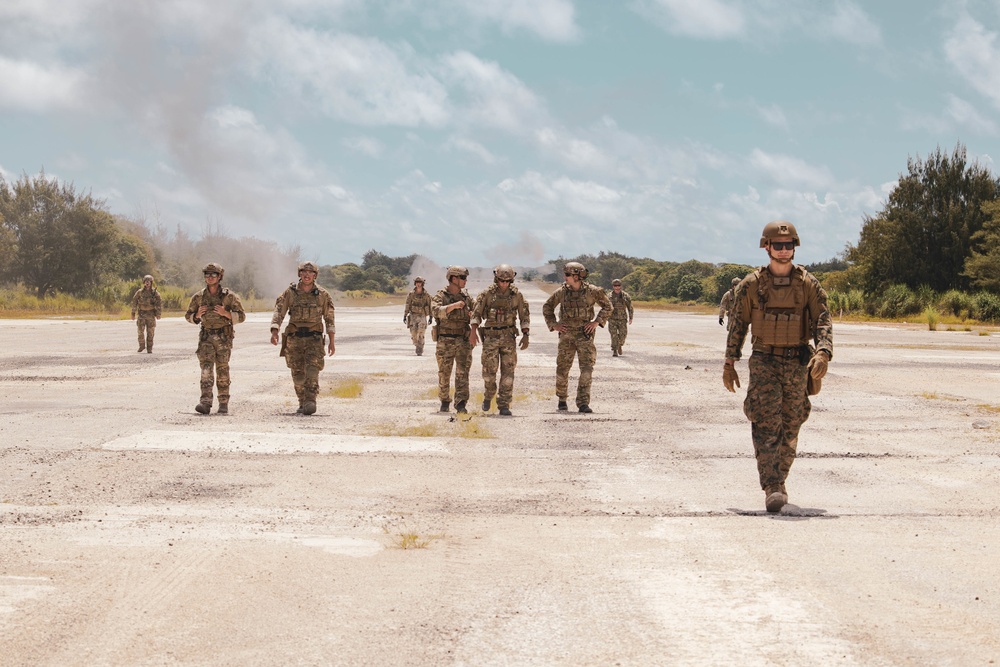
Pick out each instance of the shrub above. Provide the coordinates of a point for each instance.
(987, 307)
(959, 304)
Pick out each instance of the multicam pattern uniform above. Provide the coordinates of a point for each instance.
(620, 316)
(453, 348)
(784, 315)
(497, 314)
(726, 305)
(146, 307)
(215, 341)
(576, 308)
(417, 312)
(303, 346)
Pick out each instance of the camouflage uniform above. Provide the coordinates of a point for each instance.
(215, 342)
(303, 341)
(453, 347)
(726, 305)
(576, 308)
(620, 317)
(497, 314)
(147, 306)
(416, 313)
(784, 316)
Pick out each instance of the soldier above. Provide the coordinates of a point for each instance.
(621, 317)
(498, 310)
(452, 307)
(417, 313)
(727, 303)
(576, 326)
(216, 309)
(146, 302)
(309, 308)
(785, 308)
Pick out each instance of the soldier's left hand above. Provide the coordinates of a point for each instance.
(590, 327)
(524, 341)
(221, 311)
(730, 377)
(818, 365)
(331, 348)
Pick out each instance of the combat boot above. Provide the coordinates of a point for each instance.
(487, 402)
(585, 408)
(149, 350)
(142, 349)
(308, 407)
(223, 408)
(562, 406)
(775, 498)
(445, 405)
(203, 408)
(614, 352)
(505, 411)
(460, 407)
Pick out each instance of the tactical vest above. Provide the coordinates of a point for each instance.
(778, 316)
(500, 310)
(457, 321)
(147, 300)
(576, 306)
(621, 306)
(419, 303)
(211, 319)
(305, 309)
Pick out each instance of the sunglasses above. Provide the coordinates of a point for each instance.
(501, 280)
(212, 273)
(783, 245)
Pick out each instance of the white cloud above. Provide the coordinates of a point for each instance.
(851, 24)
(471, 147)
(773, 115)
(550, 19)
(33, 87)
(492, 97)
(576, 153)
(369, 146)
(958, 115)
(786, 170)
(972, 51)
(707, 19)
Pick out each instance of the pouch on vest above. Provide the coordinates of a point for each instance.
(434, 333)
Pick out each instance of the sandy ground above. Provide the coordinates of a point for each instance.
(135, 532)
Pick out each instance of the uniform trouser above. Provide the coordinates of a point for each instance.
(453, 353)
(777, 405)
(305, 357)
(619, 331)
(213, 354)
(418, 327)
(499, 353)
(146, 324)
(575, 343)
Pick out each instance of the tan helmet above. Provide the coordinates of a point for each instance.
(575, 269)
(147, 277)
(773, 230)
(308, 266)
(735, 282)
(419, 279)
(457, 271)
(214, 267)
(504, 272)
(616, 282)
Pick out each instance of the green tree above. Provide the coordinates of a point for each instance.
(722, 280)
(924, 234)
(982, 267)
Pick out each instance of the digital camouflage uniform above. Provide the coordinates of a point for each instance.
(497, 314)
(784, 316)
(416, 313)
(453, 347)
(620, 317)
(147, 306)
(303, 341)
(215, 341)
(576, 308)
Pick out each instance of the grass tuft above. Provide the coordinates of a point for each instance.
(347, 388)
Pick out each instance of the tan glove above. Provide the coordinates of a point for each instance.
(818, 365)
(524, 341)
(730, 377)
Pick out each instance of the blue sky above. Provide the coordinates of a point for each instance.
(486, 131)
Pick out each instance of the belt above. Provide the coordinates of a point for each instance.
(441, 335)
(496, 328)
(213, 331)
(307, 334)
(784, 352)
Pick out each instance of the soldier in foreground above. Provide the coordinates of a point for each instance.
(216, 309)
(452, 306)
(727, 303)
(309, 308)
(417, 313)
(621, 317)
(576, 326)
(785, 308)
(147, 306)
(499, 309)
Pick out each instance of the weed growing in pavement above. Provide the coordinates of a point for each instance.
(469, 427)
(396, 431)
(986, 407)
(932, 316)
(410, 539)
(347, 388)
(934, 396)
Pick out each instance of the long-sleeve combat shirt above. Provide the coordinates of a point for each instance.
(211, 320)
(496, 309)
(622, 302)
(308, 310)
(576, 307)
(147, 301)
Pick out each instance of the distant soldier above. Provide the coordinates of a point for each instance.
(727, 303)
(785, 308)
(417, 313)
(621, 317)
(309, 308)
(452, 307)
(576, 326)
(147, 306)
(499, 309)
(216, 309)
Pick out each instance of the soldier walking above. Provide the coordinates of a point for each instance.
(576, 326)
(499, 309)
(621, 317)
(147, 306)
(417, 313)
(216, 309)
(309, 308)
(785, 308)
(727, 303)
(452, 307)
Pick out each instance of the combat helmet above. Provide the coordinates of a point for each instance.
(504, 272)
(419, 279)
(308, 266)
(214, 267)
(773, 230)
(575, 269)
(147, 277)
(735, 282)
(616, 282)
(456, 272)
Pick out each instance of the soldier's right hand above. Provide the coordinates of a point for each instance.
(404, 319)
(274, 337)
(720, 322)
(730, 377)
